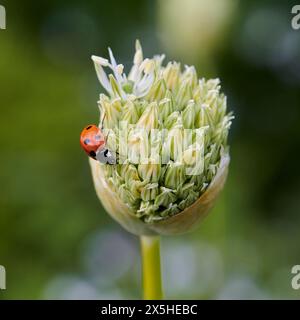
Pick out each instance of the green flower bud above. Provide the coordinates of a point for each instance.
(132, 180)
(127, 196)
(149, 118)
(158, 91)
(165, 107)
(170, 211)
(189, 200)
(138, 145)
(165, 198)
(149, 172)
(185, 190)
(184, 94)
(173, 145)
(188, 115)
(170, 131)
(111, 109)
(147, 208)
(175, 175)
(171, 75)
(149, 192)
(116, 89)
(130, 112)
(172, 120)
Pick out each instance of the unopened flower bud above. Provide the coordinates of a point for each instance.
(171, 132)
(149, 172)
(149, 118)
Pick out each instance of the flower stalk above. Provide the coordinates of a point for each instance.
(152, 279)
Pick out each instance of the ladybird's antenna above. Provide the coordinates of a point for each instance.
(101, 127)
(102, 121)
(106, 138)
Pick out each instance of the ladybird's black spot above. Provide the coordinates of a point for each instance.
(86, 141)
(87, 128)
(93, 154)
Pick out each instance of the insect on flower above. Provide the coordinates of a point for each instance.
(93, 142)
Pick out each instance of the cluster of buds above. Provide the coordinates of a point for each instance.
(169, 132)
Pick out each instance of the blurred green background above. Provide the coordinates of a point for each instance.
(56, 241)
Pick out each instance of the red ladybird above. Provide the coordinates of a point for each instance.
(92, 140)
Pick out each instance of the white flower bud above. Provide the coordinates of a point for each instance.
(169, 133)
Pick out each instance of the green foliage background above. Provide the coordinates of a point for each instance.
(48, 207)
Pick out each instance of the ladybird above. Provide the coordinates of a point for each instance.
(93, 142)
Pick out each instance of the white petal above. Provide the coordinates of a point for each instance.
(114, 67)
(138, 57)
(135, 73)
(112, 58)
(103, 62)
(102, 77)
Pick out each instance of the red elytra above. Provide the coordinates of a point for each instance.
(91, 140)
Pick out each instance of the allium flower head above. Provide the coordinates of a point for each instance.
(169, 132)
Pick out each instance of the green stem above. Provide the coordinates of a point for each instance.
(152, 282)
